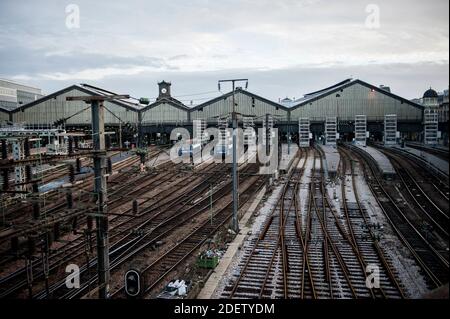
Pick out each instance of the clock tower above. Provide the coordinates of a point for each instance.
(164, 89)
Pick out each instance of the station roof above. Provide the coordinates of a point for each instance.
(166, 100)
(239, 90)
(286, 105)
(317, 95)
(83, 88)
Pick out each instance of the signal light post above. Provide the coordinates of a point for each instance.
(132, 283)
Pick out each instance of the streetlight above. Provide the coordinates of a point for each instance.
(234, 123)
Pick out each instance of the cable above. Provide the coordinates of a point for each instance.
(200, 99)
(114, 114)
(196, 94)
(183, 95)
(75, 114)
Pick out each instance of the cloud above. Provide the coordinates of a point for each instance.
(134, 40)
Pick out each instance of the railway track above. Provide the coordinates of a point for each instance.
(311, 254)
(121, 227)
(60, 205)
(160, 269)
(432, 261)
(329, 249)
(439, 183)
(363, 233)
(442, 154)
(158, 226)
(152, 230)
(54, 200)
(73, 249)
(435, 216)
(270, 251)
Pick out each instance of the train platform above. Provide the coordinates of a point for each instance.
(383, 163)
(432, 147)
(332, 159)
(428, 159)
(287, 157)
(436, 150)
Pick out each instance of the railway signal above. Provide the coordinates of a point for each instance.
(132, 283)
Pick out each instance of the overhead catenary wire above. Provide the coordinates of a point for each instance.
(195, 94)
(185, 95)
(113, 114)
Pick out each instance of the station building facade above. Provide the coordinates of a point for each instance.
(343, 100)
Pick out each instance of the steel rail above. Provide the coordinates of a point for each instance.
(436, 281)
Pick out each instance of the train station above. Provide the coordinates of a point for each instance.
(203, 159)
(145, 199)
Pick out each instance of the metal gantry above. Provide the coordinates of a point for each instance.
(430, 124)
(267, 133)
(331, 130)
(304, 131)
(390, 129)
(19, 136)
(222, 125)
(360, 130)
(248, 127)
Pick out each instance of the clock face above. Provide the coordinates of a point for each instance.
(163, 90)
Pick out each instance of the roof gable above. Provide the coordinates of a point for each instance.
(165, 101)
(226, 95)
(345, 85)
(67, 89)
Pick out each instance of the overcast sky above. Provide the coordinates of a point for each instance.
(284, 47)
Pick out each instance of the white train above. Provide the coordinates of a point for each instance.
(223, 149)
(193, 149)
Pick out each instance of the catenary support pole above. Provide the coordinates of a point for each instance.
(98, 137)
(235, 221)
(100, 189)
(235, 186)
